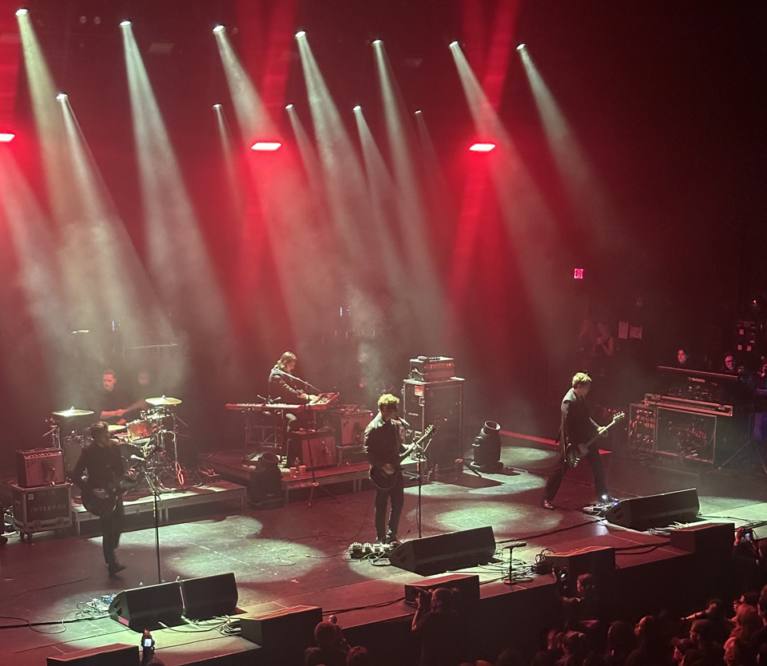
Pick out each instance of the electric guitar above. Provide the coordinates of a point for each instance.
(105, 506)
(574, 452)
(382, 478)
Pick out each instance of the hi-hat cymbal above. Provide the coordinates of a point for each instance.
(72, 412)
(117, 428)
(157, 402)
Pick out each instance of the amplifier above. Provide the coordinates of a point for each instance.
(316, 449)
(429, 368)
(40, 467)
(439, 403)
(39, 509)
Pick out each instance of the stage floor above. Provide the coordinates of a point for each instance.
(298, 555)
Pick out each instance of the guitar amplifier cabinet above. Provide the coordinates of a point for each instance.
(41, 509)
(40, 467)
(439, 403)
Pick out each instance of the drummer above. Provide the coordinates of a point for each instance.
(111, 403)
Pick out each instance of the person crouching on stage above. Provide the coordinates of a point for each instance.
(99, 472)
(384, 446)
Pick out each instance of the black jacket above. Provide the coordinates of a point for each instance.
(579, 427)
(284, 388)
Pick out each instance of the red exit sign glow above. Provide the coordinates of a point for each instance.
(578, 274)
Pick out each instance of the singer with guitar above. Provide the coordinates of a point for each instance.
(98, 473)
(577, 437)
(384, 447)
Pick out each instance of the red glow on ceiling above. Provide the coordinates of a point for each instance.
(7, 137)
(482, 147)
(266, 145)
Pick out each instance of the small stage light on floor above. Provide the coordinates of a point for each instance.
(487, 448)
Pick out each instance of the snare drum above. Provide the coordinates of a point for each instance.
(138, 430)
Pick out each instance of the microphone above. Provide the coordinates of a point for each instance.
(137, 458)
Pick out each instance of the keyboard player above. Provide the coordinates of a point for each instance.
(285, 387)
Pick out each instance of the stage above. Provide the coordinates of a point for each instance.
(297, 555)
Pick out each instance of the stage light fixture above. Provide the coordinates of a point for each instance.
(453, 44)
(218, 29)
(216, 106)
(125, 24)
(482, 147)
(487, 448)
(301, 33)
(266, 146)
(289, 107)
(7, 137)
(376, 42)
(418, 112)
(22, 12)
(61, 97)
(521, 47)
(357, 108)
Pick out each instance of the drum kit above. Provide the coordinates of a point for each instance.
(149, 442)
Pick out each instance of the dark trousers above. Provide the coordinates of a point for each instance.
(397, 495)
(111, 529)
(555, 479)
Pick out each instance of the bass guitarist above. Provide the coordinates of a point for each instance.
(577, 428)
(384, 446)
(98, 474)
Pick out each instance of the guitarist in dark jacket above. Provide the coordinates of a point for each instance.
(98, 474)
(383, 445)
(577, 428)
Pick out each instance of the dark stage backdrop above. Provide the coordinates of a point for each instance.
(666, 101)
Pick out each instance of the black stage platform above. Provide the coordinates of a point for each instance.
(297, 555)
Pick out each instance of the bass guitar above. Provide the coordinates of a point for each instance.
(384, 478)
(575, 452)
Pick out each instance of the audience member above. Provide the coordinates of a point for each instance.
(358, 656)
(620, 642)
(331, 647)
(438, 626)
(738, 652)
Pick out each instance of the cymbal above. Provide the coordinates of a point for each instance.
(72, 412)
(117, 428)
(163, 401)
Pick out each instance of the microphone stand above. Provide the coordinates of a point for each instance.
(156, 493)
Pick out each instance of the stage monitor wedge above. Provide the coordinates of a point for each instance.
(445, 552)
(642, 513)
(209, 596)
(146, 607)
(118, 654)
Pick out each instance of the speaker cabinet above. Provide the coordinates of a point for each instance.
(40, 467)
(445, 552)
(641, 513)
(284, 635)
(209, 596)
(466, 584)
(145, 607)
(315, 449)
(439, 403)
(118, 654)
(711, 539)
